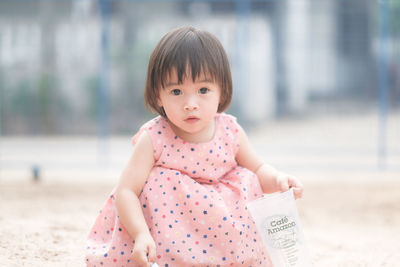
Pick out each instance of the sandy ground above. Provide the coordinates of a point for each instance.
(345, 224)
(350, 211)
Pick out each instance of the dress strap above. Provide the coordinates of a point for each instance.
(231, 131)
(156, 129)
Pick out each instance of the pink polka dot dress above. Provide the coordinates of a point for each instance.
(193, 202)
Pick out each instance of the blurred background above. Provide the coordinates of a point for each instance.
(316, 87)
(312, 79)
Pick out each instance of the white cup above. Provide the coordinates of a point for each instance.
(278, 222)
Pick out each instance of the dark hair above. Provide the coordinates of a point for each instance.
(184, 48)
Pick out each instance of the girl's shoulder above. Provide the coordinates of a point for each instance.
(158, 131)
(225, 116)
(229, 130)
(228, 121)
(154, 127)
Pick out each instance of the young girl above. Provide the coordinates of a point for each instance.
(181, 199)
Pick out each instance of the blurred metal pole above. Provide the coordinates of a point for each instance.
(243, 13)
(383, 80)
(103, 95)
(1, 107)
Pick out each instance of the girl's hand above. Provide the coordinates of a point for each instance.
(285, 182)
(144, 250)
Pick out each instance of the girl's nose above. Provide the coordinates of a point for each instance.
(191, 105)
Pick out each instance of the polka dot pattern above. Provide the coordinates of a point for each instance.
(193, 202)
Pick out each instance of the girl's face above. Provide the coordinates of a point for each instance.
(191, 106)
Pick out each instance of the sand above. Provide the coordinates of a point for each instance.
(345, 224)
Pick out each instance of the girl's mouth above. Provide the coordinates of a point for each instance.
(192, 119)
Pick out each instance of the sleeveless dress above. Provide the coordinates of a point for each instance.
(194, 202)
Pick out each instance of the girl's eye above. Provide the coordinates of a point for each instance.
(204, 90)
(176, 92)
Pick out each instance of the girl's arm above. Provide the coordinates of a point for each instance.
(271, 180)
(132, 180)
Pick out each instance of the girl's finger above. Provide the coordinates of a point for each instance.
(294, 182)
(298, 192)
(283, 184)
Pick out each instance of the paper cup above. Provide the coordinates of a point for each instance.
(278, 222)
